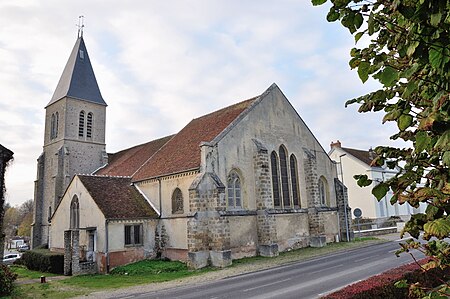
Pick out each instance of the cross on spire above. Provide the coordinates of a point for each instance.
(80, 26)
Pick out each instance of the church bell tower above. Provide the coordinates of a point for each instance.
(74, 138)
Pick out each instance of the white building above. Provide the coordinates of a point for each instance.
(354, 162)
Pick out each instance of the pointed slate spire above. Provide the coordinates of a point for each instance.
(78, 79)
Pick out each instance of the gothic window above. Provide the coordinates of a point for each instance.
(234, 191)
(133, 235)
(275, 179)
(81, 125)
(177, 202)
(74, 213)
(89, 125)
(294, 181)
(57, 124)
(323, 191)
(284, 177)
(54, 125)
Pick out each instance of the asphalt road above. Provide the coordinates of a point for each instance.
(308, 279)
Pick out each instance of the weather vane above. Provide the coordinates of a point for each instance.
(80, 26)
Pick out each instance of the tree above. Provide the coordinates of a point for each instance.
(408, 52)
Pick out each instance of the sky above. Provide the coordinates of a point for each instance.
(159, 64)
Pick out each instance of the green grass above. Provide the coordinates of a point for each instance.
(149, 271)
(24, 273)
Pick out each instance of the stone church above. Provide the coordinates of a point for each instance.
(249, 179)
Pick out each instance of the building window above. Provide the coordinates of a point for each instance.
(81, 125)
(54, 125)
(89, 125)
(234, 191)
(177, 202)
(133, 235)
(294, 181)
(323, 191)
(74, 213)
(275, 179)
(284, 178)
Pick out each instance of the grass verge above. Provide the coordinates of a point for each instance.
(150, 271)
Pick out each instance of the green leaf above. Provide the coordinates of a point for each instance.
(363, 71)
(404, 121)
(422, 141)
(435, 56)
(410, 88)
(443, 143)
(412, 48)
(380, 190)
(435, 19)
(439, 228)
(318, 2)
(333, 15)
(362, 180)
(358, 20)
(388, 76)
(401, 284)
(446, 158)
(358, 36)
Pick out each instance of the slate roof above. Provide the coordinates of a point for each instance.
(116, 197)
(128, 161)
(363, 156)
(78, 78)
(182, 152)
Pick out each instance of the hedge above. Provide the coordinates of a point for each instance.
(44, 260)
(382, 285)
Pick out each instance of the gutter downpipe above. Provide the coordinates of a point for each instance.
(160, 197)
(106, 246)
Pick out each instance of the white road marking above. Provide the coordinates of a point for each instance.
(326, 269)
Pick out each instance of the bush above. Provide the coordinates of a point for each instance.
(382, 286)
(44, 260)
(7, 278)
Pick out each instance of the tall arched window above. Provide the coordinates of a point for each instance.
(323, 191)
(284, 177)
(81, 125)
(275, 179)
(89, 125)
(294, 181)
(52, 126)
(177, 202)
(74, 213)
(234, 191)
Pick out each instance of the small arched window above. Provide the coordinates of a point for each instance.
(275, 179)
(81, 124)
(323, 191)
(294, 181)
(74, 213)
(234, 191)
(89, 125)
(284, 177)
(177, 202)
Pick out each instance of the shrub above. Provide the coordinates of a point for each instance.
(44, 260)
(7, 278)
(382, 286)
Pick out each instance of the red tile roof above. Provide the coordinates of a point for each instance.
(117, 198)
(182, 152)
(128, 161)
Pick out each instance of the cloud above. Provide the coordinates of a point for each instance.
(160, 64)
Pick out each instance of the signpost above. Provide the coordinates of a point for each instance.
(358, 213)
